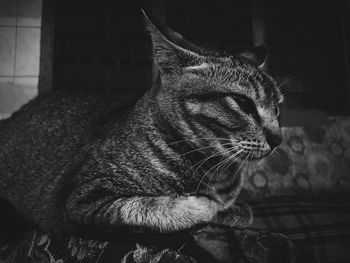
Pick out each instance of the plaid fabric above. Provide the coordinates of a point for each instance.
(319, 226)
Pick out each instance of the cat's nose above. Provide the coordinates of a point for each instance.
(273, 138)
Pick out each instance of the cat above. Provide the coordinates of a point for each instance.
(76, 163)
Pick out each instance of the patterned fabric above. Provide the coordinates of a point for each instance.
(311, 160)
(319, 226)
(209, 244)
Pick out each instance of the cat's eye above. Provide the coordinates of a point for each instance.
(277, 110)
(245, 103)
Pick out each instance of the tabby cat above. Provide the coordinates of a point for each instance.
(74, 162)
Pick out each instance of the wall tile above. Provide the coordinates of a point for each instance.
(8, 12)
(27, 81)
(27, 52)
(29, 12)
(13, 95)
(6, 80)
(7, 50)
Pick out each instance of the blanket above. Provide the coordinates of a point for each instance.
(210, 243)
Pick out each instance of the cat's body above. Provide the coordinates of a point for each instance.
(65, 135)
(42, 148)
(74, 161)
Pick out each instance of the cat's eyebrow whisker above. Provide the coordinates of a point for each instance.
(280, 85)
(287, 92)
(284, 82)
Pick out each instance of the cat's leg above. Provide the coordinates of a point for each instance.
(160, 214)
(226, 193)
(227, 189)
(236, 216)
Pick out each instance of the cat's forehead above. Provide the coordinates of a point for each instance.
(241, 77)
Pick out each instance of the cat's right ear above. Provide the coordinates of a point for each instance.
(256, 55)
(168, 55)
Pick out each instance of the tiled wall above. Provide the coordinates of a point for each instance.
(20, 25)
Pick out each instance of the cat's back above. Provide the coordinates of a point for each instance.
(57, 118)
(42, 142)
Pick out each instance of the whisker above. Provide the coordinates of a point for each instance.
(227, 162)
(200, 163)
(202, 178)
(206, 159)
(193, 140)
(212, 174)
(277, 156)
(221, 164)
(284, 82)
(249, 166)
(230, 162)
(241, 165)
(202, 148)
(218, 165)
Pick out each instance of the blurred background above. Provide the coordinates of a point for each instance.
(101, 46)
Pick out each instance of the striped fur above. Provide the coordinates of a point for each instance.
(167, 163)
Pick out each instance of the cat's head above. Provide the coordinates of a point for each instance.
(221, 103)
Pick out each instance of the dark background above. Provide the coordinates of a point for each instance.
(101, 46)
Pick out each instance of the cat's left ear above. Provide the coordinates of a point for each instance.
(256, 55)
(168, 53)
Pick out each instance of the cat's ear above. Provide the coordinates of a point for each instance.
(171, 52)
(256, 55)
(177, 38)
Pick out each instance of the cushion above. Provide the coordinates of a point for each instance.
(207, 244)
(320, 226)
(311, 160)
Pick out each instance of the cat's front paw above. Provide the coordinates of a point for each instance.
(199, 208)
(236, 216)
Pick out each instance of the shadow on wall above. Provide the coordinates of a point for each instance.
(13, 95)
